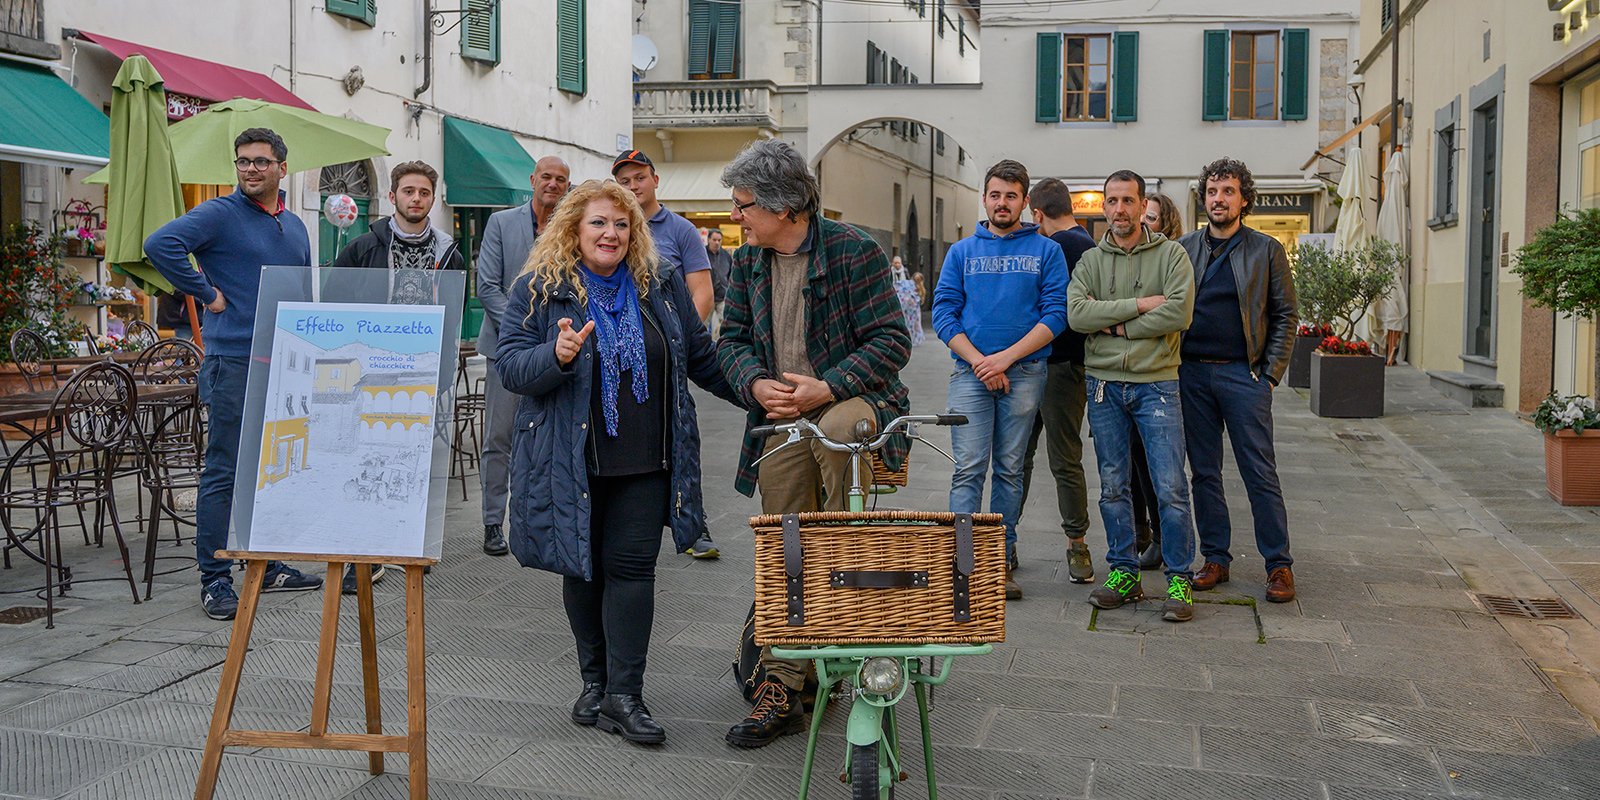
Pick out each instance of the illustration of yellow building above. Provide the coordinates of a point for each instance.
(336, 375)
(285, 429)
(394, 404)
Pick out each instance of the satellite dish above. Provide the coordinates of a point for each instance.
(644, 53)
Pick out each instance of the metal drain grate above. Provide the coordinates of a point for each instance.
(21, 615)
(1358, 437)
(1526, 607)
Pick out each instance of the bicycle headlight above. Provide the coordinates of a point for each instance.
(881, 675)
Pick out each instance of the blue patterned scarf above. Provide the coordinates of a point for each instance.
(619, 336)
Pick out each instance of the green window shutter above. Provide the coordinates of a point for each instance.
(699, 38)
(365, 11)
(1124, 76)
(1047, 105)
(572, 69)
(480, 31)
(1214, 106)
(1296, 73)
(725, 44)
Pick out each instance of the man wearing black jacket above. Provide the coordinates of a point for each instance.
(404, 244)
(1061, 413)
(408, 250)
(1235, 351)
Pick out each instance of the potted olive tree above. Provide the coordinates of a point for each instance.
(1334, 288)
(36, 290)
(1560, 270)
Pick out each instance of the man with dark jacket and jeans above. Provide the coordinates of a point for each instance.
(405, 254)
(1234, 353)
(790, 354)
(1061, 411)
(231, 237)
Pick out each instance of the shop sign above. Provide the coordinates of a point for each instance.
(182, 106)
(1282, 204)
(1573, 16)
(1088, 204)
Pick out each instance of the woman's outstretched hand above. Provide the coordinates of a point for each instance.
(569, 341)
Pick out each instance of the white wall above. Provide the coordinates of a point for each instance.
(766, 49)
(898, 31)
(518, 94)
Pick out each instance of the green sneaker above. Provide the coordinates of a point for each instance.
(1121, 587)
(1179, 606)
(1080, 568)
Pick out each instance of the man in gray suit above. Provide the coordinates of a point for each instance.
(507, 240)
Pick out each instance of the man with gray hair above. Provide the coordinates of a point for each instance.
(790, 354)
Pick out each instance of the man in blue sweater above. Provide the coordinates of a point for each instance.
(231, 238)
(1000, 300)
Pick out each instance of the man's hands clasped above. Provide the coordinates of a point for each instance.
(791, 397)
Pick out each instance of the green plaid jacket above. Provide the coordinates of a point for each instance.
(855, 331)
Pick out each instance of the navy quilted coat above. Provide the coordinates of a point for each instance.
(549, 527)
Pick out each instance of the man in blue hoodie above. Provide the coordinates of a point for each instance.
(1000, 300)
(231, 238)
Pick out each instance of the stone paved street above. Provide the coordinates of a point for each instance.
(1386, 680)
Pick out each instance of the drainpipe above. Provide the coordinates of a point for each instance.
(427, 48)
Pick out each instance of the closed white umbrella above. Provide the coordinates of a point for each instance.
(1394, 225)
(1350, 231)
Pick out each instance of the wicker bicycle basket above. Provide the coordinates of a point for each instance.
(883, 476)
(879, 577)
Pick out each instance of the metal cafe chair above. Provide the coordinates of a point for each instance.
(141, 335)
(87, 423)
(164, 471)
(29, 351)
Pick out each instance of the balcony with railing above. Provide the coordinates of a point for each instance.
(22, 29)
(687, 104)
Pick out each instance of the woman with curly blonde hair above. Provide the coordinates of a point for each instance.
(606, 449)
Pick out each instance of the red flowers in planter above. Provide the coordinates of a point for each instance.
(1334, 346)
(1308, 329)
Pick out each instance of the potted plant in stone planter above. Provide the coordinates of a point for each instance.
(1306, 339)
(36, 290)
(1560, 270)
(1334, 288)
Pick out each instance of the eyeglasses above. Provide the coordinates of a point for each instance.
(243, 164)
(742, 207)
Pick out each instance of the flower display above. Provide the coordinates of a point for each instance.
(1335, 346)
(1566, 412)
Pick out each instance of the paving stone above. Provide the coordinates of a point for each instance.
(15, 694)
(451, 755)
(1124, 780)
(512, 645)
(59, 708)
(1491, 699)
(1047, 774)
(1026, 692)
(1422, 596)
(123, 652)
(1521, 777)
(1215, 708)
(1092, 737)
(43, 765)
(191, 657)
(1511, 673)
(241, 778)
(1383, 765)
(608, 772)
(1369, 793)
(1303, 629)
(288, 659)
(1434, 640)
(69, 672)
(138, 679)
(1151, 672)
(175, 724)
(1562, 739)
(393, 786)
(1421, 726)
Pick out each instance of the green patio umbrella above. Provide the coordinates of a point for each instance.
(144, 193)
(203, 143)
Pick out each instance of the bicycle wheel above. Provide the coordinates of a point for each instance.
(864, 774)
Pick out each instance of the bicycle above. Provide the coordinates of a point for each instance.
(879, 675)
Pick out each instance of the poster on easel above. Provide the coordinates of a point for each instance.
(349, 413)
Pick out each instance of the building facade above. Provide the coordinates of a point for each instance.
(1501, 126)
(714, 75)
(478, 88)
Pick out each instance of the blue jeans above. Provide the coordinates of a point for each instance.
(997, 429)
(1218, 397)
(1116, 407)
(222, 382)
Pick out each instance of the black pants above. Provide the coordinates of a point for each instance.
(611, 615)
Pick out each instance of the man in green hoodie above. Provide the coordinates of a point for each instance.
(1134, 296)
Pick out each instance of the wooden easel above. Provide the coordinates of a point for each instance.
(415, 741)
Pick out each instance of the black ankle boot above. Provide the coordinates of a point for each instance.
(626, 716)
(1150, 556)
(777, 713)
(586, 709)
(494, 541)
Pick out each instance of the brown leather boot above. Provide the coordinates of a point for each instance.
(1209, 576)
(1280, 585)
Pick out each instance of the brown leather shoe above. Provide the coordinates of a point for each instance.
(1209, 576)
(1280, 585)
